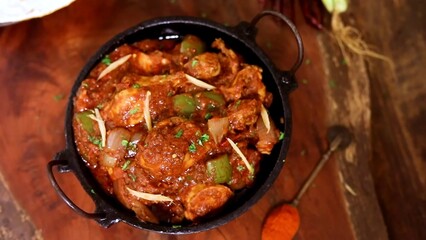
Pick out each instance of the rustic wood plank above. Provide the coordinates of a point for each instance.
(349, 105)
(398, 100)
(40, 62)
(12, 215)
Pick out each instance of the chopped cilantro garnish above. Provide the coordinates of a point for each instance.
(179, 133)
(134, 111)
(308, 61)
(136, 85)
(124, 143)
(106, 60)
(208, 116)
(96, 141)
(131, 146)
(192, 148)
(169, 94)
(211, 107)
(240, 168)
(269, 45)
(237, 104)
(194, 63)
(205, 137)
(125, 165)
(282, 135)
(133, 177)
(58, 97)
(176, 226)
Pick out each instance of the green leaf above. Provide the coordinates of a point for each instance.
(208, 116)
(192, 148)
(282, 136)
(179, 133)
(126, 165)
(134, 111)
(124, 143)
(194, 62)
(96, 141)
(106, 60)
(133, 177)
(203, 138)
(58, 97)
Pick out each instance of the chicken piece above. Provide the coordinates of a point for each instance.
(126, 107)
(241, 176)
(230, 59)
(171, 147)
(203, 66)
(176, 83)
(131, 202)
(267, 139)
(243, 113)
(91, 93)
(153, 63)
(201, 199)
(247, 83)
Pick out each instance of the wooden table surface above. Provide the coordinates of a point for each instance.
(41, 58)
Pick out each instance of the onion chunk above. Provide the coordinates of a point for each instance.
(218, 127)
(149, 196)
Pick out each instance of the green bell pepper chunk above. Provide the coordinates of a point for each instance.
(220, 168)
(192, 45)
(217, 97)
(85, 122)
(184, 104)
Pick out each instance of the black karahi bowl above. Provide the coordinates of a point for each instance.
(241, 39)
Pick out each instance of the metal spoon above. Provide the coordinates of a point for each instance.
(339, 138)
(287, 215)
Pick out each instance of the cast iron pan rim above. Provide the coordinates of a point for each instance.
(76, 163)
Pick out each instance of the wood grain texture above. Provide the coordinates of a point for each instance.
(349, 105)
(398, 112)
(39, 62)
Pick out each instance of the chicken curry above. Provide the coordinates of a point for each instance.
(172, 128)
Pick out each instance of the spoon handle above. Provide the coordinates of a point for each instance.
(334, 144)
